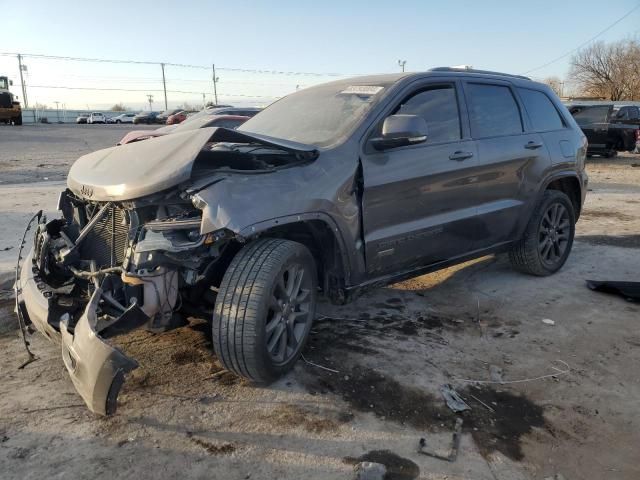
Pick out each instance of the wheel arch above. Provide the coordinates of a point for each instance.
(569, 184)
(319, 233)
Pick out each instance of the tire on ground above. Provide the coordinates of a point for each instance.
(242, 307)
(525, 255)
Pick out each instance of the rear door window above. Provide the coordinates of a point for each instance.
(438, 106)
(493, 110)
(543, 114)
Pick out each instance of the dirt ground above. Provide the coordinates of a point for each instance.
(369, 387)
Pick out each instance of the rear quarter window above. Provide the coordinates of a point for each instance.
(543, 114)
(493, 110)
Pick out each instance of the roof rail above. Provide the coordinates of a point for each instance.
(471, 70)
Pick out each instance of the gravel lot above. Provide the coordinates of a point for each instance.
(181, 415)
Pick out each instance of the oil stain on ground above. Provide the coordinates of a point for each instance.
(499, 429)
(398, 468)
(624, 241)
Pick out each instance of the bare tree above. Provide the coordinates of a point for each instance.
(609, 70)
(118, 107)
(555, 84)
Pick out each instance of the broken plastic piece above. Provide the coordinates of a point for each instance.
(454, 401)
(628, 290)
(96, 368)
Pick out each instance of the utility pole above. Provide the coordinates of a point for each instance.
(23, 68)
(402, 63)
(203, 101)
(164, 84)
(150, 97)
(57, 111)
(215, 80)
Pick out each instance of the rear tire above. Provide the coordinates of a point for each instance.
(17, 120)
(548, 238)
(264, 309)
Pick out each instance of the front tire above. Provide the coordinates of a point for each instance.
(548, 238)
(264, 309)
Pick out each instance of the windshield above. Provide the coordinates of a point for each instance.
(317, 116)
(590, 114)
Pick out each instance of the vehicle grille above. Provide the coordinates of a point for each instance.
(107, 241)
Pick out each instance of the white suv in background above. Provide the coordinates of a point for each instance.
(97, 117)
(122, 118)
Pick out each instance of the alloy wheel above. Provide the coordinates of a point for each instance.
(289, 316)
(554, 234)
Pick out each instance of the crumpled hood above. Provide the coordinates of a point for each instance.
(139, 169)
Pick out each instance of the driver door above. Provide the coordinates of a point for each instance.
(419, 201)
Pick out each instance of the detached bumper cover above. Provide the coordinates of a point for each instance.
(96, 368)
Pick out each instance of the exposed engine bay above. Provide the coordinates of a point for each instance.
(106, 268)
(139, 254)
(132, 247)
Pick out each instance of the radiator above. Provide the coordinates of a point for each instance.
(107, 241)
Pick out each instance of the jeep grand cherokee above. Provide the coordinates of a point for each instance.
(329, 191)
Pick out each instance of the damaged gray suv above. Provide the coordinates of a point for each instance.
(329, 191)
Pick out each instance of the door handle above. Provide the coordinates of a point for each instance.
(532, 145)
(460, 155)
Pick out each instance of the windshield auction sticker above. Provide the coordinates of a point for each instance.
(362, 90)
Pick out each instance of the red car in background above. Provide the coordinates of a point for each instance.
(178, 117)
(226, 121)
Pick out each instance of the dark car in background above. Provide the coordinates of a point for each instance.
(145, 117)
(609, 127)
(162, 117)
(330, 191)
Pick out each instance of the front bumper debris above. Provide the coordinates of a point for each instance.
(97, 369)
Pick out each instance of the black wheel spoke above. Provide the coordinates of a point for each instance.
(275, 339)
(290, 304)
(554, 233)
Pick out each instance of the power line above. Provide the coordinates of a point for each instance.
(181, 65)
(144, 90)
(585, 43)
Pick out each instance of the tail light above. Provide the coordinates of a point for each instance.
(637, 134)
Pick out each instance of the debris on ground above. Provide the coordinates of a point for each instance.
(453, 450)
(548, 321)
(397, 467)
(628, 290)
(369, 471)
(495, 374)
(453, 399)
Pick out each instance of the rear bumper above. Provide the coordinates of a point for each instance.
(96, 368)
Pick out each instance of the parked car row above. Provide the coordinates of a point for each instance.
(168, 117)
(230, 117)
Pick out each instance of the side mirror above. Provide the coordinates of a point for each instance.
(400, 131)
(11, 83)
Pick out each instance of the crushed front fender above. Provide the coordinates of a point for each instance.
(97, 369)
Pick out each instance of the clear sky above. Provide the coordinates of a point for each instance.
(327, 36)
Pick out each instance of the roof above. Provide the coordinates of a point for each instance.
(391, 78)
